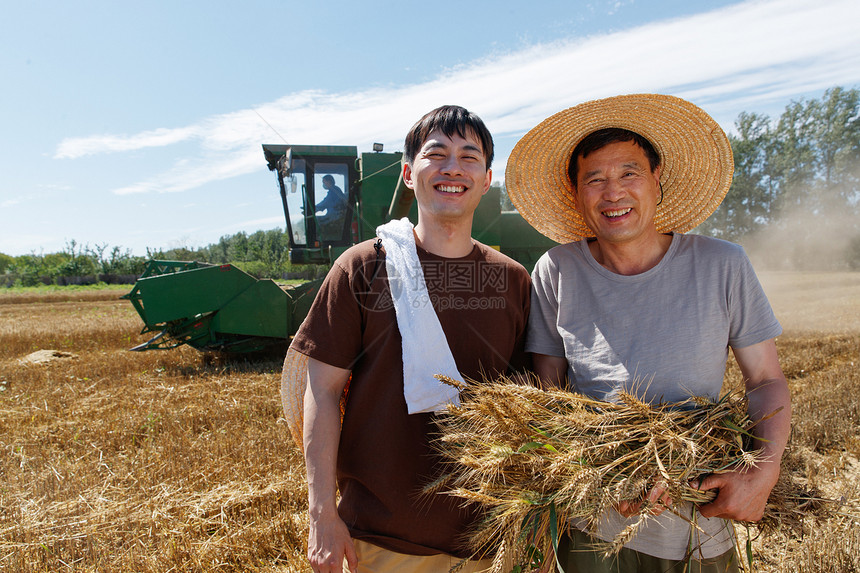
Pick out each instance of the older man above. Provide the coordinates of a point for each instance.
(630, 302)
(429, 300)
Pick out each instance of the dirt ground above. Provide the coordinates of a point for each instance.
(814, 302)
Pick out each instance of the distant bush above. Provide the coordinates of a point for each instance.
(76, 264)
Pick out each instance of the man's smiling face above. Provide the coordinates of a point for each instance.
(449, 176)
(617, 193)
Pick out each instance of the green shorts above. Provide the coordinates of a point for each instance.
(576, 555)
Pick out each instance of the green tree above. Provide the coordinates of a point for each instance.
(817, 153)
(78, 260)
(749, 203)
(121, 263)
(6, 262)
(238, 247)
(799, 178)
(221, 250)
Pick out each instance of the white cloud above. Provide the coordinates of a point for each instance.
(188, 174)
(729, 60)
(76, 147)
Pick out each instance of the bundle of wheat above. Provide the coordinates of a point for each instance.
(538, 458)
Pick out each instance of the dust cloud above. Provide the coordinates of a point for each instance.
(803, 241)
(809, 267)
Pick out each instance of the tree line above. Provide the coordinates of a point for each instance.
(264, 254)
(794, 203)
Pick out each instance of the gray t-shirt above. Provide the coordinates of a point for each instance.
(663, 335)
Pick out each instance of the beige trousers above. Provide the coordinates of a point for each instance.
(373, 559)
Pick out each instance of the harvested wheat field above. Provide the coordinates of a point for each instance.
(178, 461)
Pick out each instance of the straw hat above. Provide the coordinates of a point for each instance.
(293, 383)
(695, 153)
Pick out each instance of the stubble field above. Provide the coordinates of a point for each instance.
(178, 461)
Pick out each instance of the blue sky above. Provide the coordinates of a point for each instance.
(139, 124)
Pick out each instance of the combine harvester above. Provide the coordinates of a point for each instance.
(222, 308)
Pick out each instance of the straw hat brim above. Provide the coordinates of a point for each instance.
(696, 158)
(294, 378)
(294, 381)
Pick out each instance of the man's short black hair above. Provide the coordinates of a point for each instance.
(450, 120)
(603, 137)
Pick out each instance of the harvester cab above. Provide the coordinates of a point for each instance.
(319, 190)
(334, 198)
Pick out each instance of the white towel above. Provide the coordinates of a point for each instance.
(425, 347)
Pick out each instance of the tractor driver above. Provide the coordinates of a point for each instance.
(334, 205)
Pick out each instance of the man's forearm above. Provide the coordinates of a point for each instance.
(770, 405)
(769, 400)
(322, 434)
(321, 437)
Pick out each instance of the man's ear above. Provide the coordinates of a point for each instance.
(657, 172)
(407, 175)
(487, 181)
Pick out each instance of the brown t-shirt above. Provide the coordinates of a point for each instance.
(385, 458)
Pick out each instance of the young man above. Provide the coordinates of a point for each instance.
(634, 304)
(430, 300)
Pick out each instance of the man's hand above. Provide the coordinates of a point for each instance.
(742, 494)
(329, 543)
(658, 500)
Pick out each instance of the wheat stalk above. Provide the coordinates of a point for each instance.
(535, 459)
